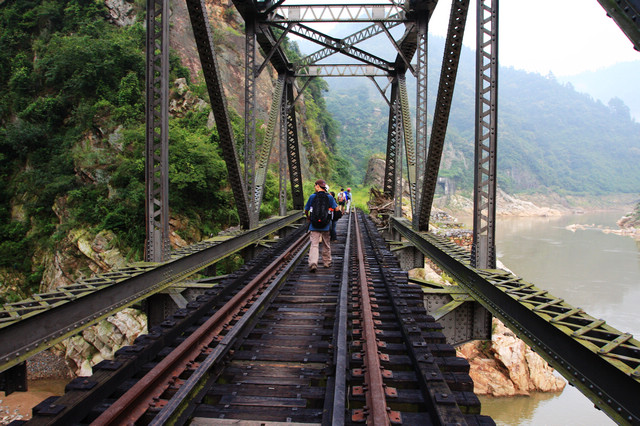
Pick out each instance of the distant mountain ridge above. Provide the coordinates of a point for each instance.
(619, 80)
(551, 138)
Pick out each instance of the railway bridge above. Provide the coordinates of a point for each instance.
(352, 343)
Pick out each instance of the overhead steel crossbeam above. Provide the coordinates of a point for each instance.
(338, 13)
(602, 362)
(483, 252)
(157, 244)
(450, 60)
(626, 14)
(336, 45)
(32, 325)
(210, 69)
(340, 70)
(349, 42)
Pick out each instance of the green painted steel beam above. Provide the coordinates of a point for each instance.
(602, 362)
(35, 324)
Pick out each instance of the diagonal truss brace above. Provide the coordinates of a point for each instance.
(210, 68)
(453, 47)
(267, 144)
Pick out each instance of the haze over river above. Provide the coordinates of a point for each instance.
(590, 269)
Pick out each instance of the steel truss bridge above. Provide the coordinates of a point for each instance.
(601, 361)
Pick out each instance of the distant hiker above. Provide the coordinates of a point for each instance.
(337, 214)
(348, 196)
(342, 199)
(318, 210)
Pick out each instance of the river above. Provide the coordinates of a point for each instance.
(596, 271)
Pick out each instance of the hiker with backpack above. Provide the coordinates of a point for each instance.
(318, 210)
(342, 199)
(337, 214)
(348, 199)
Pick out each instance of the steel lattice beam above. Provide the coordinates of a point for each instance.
(250, 118)
(338, 13)
(267, 144)
(392, 143)
(409, 144)
(157, 245)
(210, 69)
(453, 47)
(339, 70)
(626, 14)
(483, 253)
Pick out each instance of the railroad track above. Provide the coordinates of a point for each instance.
(349, 344)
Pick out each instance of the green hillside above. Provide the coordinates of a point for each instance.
(550, 137)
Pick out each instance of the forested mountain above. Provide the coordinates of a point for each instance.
(551, 137)
(72, 137)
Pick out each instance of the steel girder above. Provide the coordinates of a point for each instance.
(483, 252)
(210, 68)
(451, 57)
(626, 14)
(32, 325)
(157, 245)
(293, 150)
(602, 362)
(267, 144)
(421, 113)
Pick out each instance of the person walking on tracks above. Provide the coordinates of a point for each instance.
(348, 196)
(318, 210)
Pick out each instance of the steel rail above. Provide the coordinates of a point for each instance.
(376, 409)
(602, 362)
(338, 405)
(135, 402)
(187, 393)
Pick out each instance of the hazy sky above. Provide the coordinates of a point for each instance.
(565, 37)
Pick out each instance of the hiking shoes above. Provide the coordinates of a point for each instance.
(312, 268)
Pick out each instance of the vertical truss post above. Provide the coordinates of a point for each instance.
(282, 153)
(250, 118)
(157, 245)
(293, 151)
(448, 73)
(409, 144)
(483, 252)
(392, 136)
(421, 111)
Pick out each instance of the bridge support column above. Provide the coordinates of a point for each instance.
(157, 245)
(483, 252)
